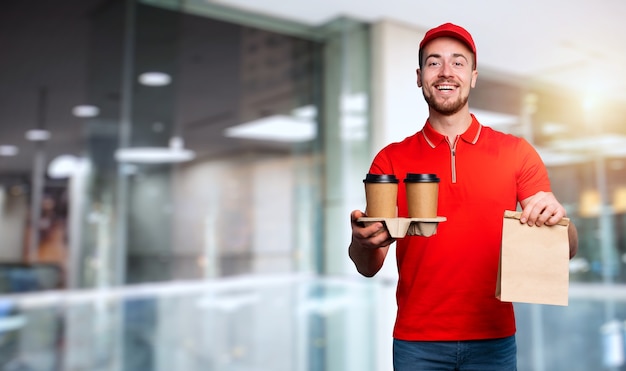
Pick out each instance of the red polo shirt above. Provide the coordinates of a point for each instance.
(447, 282)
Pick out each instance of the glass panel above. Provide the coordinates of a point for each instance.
(232, 110)
(278, 323)
(346, 133)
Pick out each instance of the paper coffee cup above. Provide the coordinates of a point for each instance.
(422, 193)
(381, 195)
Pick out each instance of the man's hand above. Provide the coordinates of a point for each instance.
(369, 245)
(372, 236)
(542, 208)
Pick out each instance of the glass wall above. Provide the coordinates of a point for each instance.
(193, 145)
(178, 147)
(272, 323)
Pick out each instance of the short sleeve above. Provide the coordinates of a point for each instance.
(532, 175)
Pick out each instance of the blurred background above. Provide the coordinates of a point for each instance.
(176, 176)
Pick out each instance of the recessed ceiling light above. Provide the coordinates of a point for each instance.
(156, 155)
(38, 135)
(553, 128)
(8, 150)
(154, 79)
(279, 128)
(63, 166)
(491, 118)
(85, 110)
(308, 112)
(153, 155)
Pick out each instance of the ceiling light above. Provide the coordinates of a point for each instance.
(556, 158)
(354, 103)
(308, 112)
(63, 166)
(154, 79)
(8, 150)
(553, 128)
(491, 118)
(278, 128)
(38, 135)
(85, 110)
(156, 155)
(605, 144)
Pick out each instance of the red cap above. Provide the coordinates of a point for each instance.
(450, 30)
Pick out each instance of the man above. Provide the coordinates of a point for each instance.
(448, 317)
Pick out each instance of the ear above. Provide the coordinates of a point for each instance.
(419, 78)
(474, 78)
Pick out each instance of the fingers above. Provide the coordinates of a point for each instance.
(356, 214)
(373, 235)
(542, 208)
(550, 215)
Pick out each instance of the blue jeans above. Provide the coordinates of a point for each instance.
(473, 355)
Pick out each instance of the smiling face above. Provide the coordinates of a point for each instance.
(447, 74)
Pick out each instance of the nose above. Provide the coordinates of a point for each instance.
(445, 70)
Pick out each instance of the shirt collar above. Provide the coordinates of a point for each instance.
(434, 138)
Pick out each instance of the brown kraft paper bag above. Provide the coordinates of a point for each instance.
(534, 262)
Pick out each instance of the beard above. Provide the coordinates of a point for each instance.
(448, 107)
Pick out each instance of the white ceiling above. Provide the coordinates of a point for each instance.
(577, 44)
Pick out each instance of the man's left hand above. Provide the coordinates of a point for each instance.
(542, 208)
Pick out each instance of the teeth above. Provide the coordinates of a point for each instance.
(445, 87)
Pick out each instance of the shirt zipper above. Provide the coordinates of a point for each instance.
(453, 157)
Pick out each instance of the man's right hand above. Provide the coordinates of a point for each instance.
(373, 236)
(369, 245)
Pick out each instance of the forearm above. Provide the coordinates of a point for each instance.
(367, 261)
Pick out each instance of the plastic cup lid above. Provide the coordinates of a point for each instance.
(421, 178)
(380, 178)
